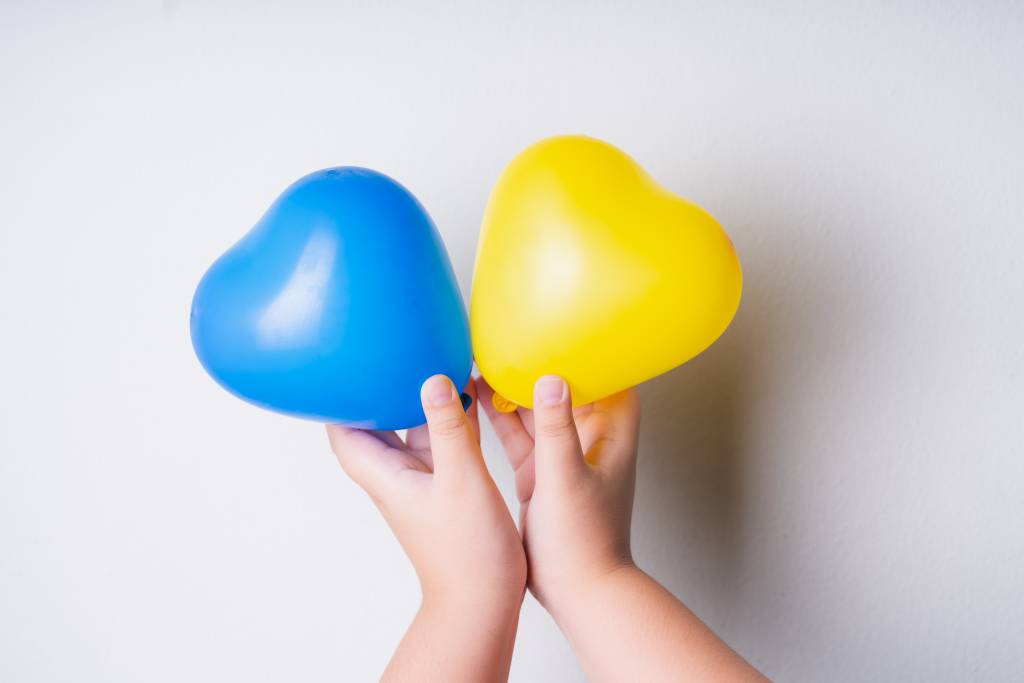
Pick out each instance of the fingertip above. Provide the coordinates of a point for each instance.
(447, 421)
(335, 434)
(550, 391)
(437, 392)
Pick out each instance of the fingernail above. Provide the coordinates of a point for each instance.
(438, 391)
(551, 390)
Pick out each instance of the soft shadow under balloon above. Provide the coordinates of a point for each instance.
(697, 452)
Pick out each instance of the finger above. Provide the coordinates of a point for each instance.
(585, 427)
(453, 443)
(623, 409)
(526, 479)
(557, 453)
(393, 440)
(369, 461)
(417, 444)
(609, 431)
(417, 438)
(390, 438)
(526, 415)
(515, 441)
(580, 412)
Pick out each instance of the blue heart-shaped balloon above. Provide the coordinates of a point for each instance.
(336, 306)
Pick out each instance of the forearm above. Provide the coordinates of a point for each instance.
(468, 641)
(626, 626)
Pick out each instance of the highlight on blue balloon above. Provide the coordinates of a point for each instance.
(336, 306)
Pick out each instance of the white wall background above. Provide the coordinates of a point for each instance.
(837, 486)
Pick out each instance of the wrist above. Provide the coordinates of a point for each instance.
(473, 600)
(564, 603)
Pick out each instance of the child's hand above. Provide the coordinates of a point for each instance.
(575, 472)
(575, 477)
(441, 503)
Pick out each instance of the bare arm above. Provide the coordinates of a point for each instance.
(454, 641)
(653, 636)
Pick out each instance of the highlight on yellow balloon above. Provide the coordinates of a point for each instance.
(589, 269)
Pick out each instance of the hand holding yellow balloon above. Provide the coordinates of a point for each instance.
(588, 269)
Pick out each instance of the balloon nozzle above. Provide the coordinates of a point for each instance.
(502, 404)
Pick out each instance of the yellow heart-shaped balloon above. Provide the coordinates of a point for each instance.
(589, 269)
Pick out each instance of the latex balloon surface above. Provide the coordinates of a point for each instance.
(587, 268)
(336, 306)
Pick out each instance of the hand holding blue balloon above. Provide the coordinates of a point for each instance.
(336, 306)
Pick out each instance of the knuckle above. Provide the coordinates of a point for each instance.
(556, 429)
(450, 426)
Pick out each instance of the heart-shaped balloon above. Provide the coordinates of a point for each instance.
(336, 306)
(589, 269)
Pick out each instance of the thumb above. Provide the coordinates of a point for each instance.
(558, 455)
(453, 442)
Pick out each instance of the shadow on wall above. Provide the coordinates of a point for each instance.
(704, 438)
